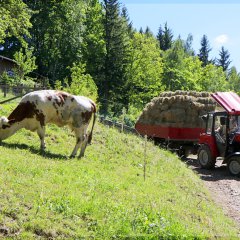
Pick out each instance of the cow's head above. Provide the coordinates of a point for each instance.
(4, 123)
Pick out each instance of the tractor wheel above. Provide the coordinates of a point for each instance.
(205, 158)
(234, 166)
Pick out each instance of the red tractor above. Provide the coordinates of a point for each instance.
(221, 137)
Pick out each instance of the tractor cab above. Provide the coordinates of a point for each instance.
(221, 138)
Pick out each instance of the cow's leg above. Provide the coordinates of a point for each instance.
(77, 146)
(41, 134)
(81, 137)
(83, 146)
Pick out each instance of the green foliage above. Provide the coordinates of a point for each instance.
(188, 45)
(223, 60)
(104, 195)
(116, 60)
(124, 68)
(181, 71)
(6, 79)
(93, 45)
(234, 80)
(213, 79)
(204, 51)
(81, 83)
(126, 18)
(56, 36)
(144, 71)
(14, 20)
(184, 72)
(25, 65)
(132, 115)
(25, 61)
(165, 37)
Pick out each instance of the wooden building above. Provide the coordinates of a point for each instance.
(6, 64)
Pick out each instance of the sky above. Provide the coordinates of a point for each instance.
(219, 20)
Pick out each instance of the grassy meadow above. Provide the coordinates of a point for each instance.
(103, 195)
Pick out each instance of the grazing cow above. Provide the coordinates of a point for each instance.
(38, 108)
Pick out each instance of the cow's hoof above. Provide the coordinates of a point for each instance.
(80, 156)
(72, 156)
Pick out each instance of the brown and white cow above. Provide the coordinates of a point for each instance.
(38, 108)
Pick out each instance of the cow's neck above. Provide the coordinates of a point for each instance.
(8, 132)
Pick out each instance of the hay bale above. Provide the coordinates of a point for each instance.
(178, 109)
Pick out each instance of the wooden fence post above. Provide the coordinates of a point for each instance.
(123, 118)
(145, 157)
(5, 90)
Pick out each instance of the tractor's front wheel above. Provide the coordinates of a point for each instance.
(205, 158)
(234, 166)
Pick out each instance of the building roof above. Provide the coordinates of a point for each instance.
(229, 101)
(7, 59)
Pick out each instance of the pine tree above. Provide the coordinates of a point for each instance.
(116, 60)
(126, 17)
(224, 61)
(188, 45)
(165, 37)
(93, 44)
(148, 32)
(204, 51)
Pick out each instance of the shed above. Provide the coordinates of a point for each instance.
(6, 64)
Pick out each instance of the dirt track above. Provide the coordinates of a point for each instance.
(225, 190)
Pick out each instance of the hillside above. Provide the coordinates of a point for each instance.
(103, 195)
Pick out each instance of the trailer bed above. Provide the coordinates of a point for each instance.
(169, 133)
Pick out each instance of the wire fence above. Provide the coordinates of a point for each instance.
(121, 126)
(13, 92)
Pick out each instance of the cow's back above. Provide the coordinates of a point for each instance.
(58, 106)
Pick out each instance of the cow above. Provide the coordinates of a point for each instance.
(38, 108)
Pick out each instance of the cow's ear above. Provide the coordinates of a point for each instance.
(6, 125)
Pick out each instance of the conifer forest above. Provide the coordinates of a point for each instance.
(90, 47)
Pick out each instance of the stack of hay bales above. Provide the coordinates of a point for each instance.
(178, 109)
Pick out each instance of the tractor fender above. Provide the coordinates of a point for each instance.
(236, 154)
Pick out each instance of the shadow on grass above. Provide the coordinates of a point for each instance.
(43, 153)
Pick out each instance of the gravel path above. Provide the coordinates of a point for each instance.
(225, 190)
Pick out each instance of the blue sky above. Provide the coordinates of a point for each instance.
(219, 20)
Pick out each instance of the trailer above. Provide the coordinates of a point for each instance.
(183, 141)
(209, 143)
(173, 119)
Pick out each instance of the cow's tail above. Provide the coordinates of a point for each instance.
(94, 119)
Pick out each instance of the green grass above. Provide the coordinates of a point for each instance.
(103, 195)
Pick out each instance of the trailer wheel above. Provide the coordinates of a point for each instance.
(205, 158)
(234, 166)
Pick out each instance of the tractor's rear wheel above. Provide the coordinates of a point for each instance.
(234, 166)
(205, 158)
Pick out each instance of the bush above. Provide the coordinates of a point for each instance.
(81, 83)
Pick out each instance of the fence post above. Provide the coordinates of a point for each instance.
(5, 90)
(145, 157)
(123, 118)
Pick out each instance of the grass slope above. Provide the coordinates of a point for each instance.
(103, 195)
